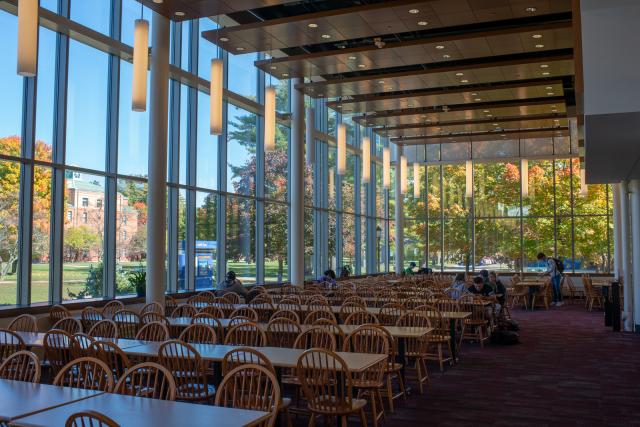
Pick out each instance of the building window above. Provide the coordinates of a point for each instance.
(124, 234)
(99, 203)
(85, 217)
(85, 202)
(69, 215)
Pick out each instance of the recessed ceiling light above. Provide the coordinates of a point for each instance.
(474, 94)
(361, 66)
(550, 93)
(539, 46)
(478, 99)
(339, 106)
(445, 56)
(312, 25)
(273, 67)
(410, 105)
(423, 23)
(544, 65)
(285, 74)
(240, 49)
(503, 135)
(464, 81)
(545, 73)
(380, 82)
(342, 46)
(485, 111)
(495, 124)
(489, 115)
(440, 46)
(352, 58)
(389, 87)
(158, 1)
(423, 116)
(459, 74)
(414, 11)
(537, 36)
(179, 13)
(554, 111)
(326, 36)
(531, 9)
(224, 39)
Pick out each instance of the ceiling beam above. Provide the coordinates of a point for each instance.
(531, 133)
(382, 129)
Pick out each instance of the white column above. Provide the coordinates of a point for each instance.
(617, 233)
(632, 291)
(296, 180)
(399, 217)
(157, 182)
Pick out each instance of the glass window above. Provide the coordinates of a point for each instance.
(455, 203)
(133, 129)
(241, 152)
(277, 166)
(241, 240)
(130, 12)
(348, 184)
(379, 192)
(131, 232)
(496, 189)
(207, 156)
(82, 274)
(538, 236)
(206, 50)
(245, 75)
(380, 226)
(9, 199)
(348, 242)
(45, 99)
(435, 244)
(457, 244)
(182, 239)
(541, 191)
(333, 262)
(414, 242)
(93, 14)
(309, 272)
(41, 234)
(497, 244)
(86, 115)
(11, 87)
(591, 244)
(184, 141)
(275, 243)
(206, 240)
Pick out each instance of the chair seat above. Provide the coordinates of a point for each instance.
(330, 402)
(393, 367)
(363, 383)
(472, 322)
(439, 339)
(196, 391)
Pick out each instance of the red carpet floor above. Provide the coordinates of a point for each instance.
(569, 370)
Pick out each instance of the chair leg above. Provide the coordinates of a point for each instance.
(363, 418)
(287, 416)
(402, 389)
(312, 420)
(440, 358)
(379, 396)
(480, 336)
(390, 393)
(374, 411)
(343, 421)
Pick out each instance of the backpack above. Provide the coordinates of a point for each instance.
(505, 337)
(559, 265)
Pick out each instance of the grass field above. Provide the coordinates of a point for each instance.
(75, 274)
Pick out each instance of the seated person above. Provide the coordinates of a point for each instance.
(480, 288)
(411, 268)
(232, 284)
(498, 288)
(485, 275)
(458, 287)
(329, 277)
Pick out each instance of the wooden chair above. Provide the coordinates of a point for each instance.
(263, 306)
(244, 356)
(417, 349)
(316, 337)
(152, 316)
(592, 296)
(24, 323)
(58, 347)
(154, 331)
(328, 387)
(224, 305)
(361, 318)
(282, 332)
(90, 419)
(251, 387)
(68, 324)
(393, 370)
(575, 293)
(211, 310)
(440, 338)
(82, 345)
(150, 380)
(152, 307)
(231, 298)
(543, 296)
(111, 308)
(104, 329)
(390, 313)
(112, 356)
(238, 320)
(170, 304)
(208, 319)
(58, 312)
(89, 317)
(476, 327)
(199, 333)
(247, 312)
(248, 334)
(350, 308)
(372, 340)
(332, 328)
(188, 370)
(87, 373)
(288, 314)
(184, 310)
(10, 343)
(319, 314)
(21, 366)
(128, 323)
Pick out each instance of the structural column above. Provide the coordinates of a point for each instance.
(617, 233)
(157, 182)
(399, 217)
(296, 181)
(632, 291)
(625, 262)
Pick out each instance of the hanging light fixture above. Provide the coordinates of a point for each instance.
(27, 37)
(386, 167)
(342, 149)
(524, 177)
(310, 135)
(416, 180)
(366, 159)
(584, 188)
(215, 97)
(469, 178)
(140, 63)
(269, 118)
(403, 175)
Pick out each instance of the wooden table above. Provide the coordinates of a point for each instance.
(20, 398)
(142, 412)
(36, 340)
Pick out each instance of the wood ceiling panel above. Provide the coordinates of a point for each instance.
(488, 136)
(193, 9)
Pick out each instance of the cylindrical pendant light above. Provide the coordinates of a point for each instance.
(270, 118)
(386, 167)
(310, 135)
(140, 65)
(416, 180)
(366, 159)
(27, 37)
(403, 175)
(215, 97)
(584, 188)
(469, 178)
(331, 183)
(524, 177)
(342, 149)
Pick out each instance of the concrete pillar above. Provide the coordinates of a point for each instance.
(157, 182)
(617, 233)
(625, 251)
(632, 291)
(296, 181)
(399, 215)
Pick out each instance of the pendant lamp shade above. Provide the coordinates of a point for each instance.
(403, 175)
(310, 135)
(366, 159)
(140, 65)
(524, 177)
(269, 118)
(27, 37)
(215, 97)
(386, 167)
(469, 178)
(342, 149)
(416, 180)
